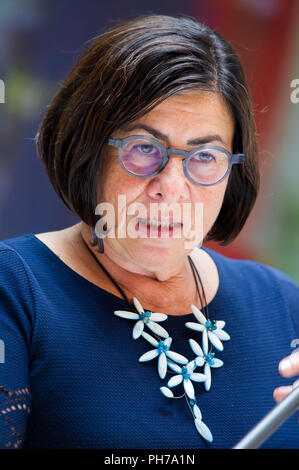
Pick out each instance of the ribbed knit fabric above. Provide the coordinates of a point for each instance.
(71, 376)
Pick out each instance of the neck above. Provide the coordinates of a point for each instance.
(169, 289)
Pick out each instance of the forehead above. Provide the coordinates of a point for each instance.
(193, 105)
(190, 115)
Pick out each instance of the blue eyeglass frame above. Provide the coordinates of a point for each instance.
(232, 158)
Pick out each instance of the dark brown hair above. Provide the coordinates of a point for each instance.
(123, 75)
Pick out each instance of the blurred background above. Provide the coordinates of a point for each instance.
(41, 39)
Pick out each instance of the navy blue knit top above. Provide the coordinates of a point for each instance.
(69, 371)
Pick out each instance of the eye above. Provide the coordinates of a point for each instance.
(204, 157)
(146, 149)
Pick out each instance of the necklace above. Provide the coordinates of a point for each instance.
(170, 361)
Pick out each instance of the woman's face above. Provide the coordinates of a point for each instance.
(180, 118)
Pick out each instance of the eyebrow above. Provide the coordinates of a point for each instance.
(158, 135)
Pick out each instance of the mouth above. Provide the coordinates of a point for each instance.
(157, 228)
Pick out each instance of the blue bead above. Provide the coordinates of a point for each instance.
(210, 358)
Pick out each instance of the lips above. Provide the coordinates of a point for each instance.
(159, 223)
(158, 229)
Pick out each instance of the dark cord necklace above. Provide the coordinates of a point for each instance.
(195, 273)
(108, 274)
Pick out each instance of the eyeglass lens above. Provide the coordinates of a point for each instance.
(142, 157)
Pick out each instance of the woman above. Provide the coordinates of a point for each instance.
(155, 114)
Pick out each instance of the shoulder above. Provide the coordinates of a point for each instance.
(11, 261)
(17, 296)
(15, 274)
(251, 271)
(257, 282)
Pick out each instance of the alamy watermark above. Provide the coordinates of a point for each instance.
(2, 92)
(294, 96)
(2, 351)
(158, 220)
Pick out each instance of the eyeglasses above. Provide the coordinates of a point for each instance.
(144, 156)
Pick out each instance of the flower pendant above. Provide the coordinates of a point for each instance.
(169, 360)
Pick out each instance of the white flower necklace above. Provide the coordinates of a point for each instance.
(211, 330)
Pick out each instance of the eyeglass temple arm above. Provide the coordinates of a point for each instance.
(115, 142)
(238, 158)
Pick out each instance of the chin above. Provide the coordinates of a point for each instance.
(156, 252)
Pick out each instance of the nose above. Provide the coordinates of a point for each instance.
(171, 184)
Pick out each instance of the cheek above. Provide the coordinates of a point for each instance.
(212, 199)
(115, 181)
